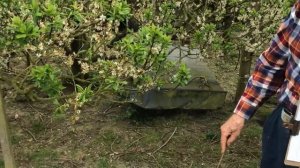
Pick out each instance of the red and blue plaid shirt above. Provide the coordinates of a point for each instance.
(277, 70)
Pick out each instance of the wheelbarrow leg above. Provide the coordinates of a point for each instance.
(4, 136)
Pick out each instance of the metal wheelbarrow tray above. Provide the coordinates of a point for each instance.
(203, 91)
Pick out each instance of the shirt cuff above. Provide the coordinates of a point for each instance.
(244, 109)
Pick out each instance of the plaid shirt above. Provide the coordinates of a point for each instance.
(277, 70)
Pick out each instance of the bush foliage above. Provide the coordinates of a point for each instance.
(107, 48)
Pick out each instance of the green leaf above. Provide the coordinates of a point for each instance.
(35, 4)
(16, 21)
(21, 36)
(79, 88)
(47, 79)
(50, 9)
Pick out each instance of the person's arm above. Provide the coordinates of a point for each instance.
(268, 76)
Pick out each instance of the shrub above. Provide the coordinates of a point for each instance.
(110, 47)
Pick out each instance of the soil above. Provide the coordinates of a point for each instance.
(109, 135)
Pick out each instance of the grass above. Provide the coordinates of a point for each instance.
(103, 163)
(109, 136)
(15, 139)
(43, 157)
(252, 131)
(112, 142)
(1, 164)
(37, 127)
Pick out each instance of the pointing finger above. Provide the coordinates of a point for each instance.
(224, 138)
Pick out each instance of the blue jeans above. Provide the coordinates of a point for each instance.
(274, 141)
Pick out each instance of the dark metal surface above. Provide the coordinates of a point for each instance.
(202, 92)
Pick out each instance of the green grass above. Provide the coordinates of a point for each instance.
(109, 136)
(129, 142)
(1, 164)
(37, 127)
(252, 131)
(103, 163)
(43, 157)
(15, 139)
(151, 137)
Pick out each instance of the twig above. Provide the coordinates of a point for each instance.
(191, 164)
(165, 142)
(42, 99)
(70, 161)
(246, 149)
(106, 111)
(39, 113)
(173, 49)
(221, 159)
(154, 158)
(132, 143)
(111, 145)
(30, 133)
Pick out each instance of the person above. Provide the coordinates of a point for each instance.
(277, 70)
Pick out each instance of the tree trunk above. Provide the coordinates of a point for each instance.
(155, 9)
(4, 136)
(244, 73)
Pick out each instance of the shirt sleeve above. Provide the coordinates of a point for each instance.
(269, 73)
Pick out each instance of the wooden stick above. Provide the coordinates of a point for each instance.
(9, 160)
(221, 159)
(165, 142)
(132, 143)
(30, 133)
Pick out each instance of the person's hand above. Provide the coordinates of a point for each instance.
(230, 130)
